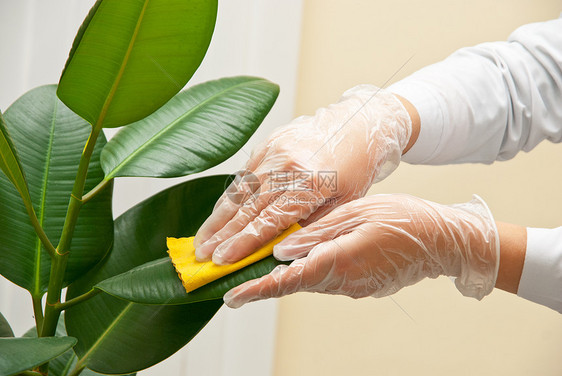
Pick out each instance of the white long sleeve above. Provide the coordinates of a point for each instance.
(486, 103)
(541, 280)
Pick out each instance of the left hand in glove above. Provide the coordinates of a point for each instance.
(379, 244)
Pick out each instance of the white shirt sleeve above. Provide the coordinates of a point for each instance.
(486, 103)
(541, 280)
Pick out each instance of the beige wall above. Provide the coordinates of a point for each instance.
(347, 42)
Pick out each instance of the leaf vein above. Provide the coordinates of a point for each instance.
(157, 135)
(106, 332)
(122, 67)
(43, 200)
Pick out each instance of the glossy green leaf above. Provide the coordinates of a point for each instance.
(21, 354)
(10, 163)
(112, 332)
(157, 282)
(195, 130)
(50, 139)
(63, 364)
(131, 56)
(5, 329)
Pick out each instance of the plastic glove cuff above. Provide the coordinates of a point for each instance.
(479, 269)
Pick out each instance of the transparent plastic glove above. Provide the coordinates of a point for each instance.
(379, 244)
(305, 169)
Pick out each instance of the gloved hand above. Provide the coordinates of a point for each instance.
(376, 245)
(305, 169)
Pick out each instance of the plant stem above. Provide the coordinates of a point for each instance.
(76, 196)
(40, 232)
(97, 189)
(77, 369)
(58, 263)
(76, 300)
(38, 313)
(56, 278)
(29, 373)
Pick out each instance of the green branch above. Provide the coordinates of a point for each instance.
(40, 232)
(79, 299)
(30, 373)
(77, 369)
(76, 196)
(38, 313)
(97, 189)
(58, 264)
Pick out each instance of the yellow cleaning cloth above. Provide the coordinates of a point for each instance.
(194, 274)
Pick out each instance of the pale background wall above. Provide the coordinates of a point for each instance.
(345, 43)
(252, 37)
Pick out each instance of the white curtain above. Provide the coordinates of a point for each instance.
(252, 37)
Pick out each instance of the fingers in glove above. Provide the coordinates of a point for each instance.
(299, 244)
(319, 213)
(271, 221)
(323, 270)
(283, 280)
(241, 191)
(244, 215)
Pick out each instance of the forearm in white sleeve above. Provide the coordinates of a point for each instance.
(541, 280)
(488, 102)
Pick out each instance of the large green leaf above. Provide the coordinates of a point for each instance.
(5, 329)
(10, 163)
(195, 130)
(157, 282)
(131, 56)
(50, 139)
(21, 354)
(111, 332)
(63, 364)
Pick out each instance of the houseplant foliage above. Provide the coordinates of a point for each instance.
(127, 65)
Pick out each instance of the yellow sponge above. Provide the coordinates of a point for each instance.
(194, 274)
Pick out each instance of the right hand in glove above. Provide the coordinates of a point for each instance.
(379, 244)
(355, 142)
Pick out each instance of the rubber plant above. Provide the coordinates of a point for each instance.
(127, 65)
